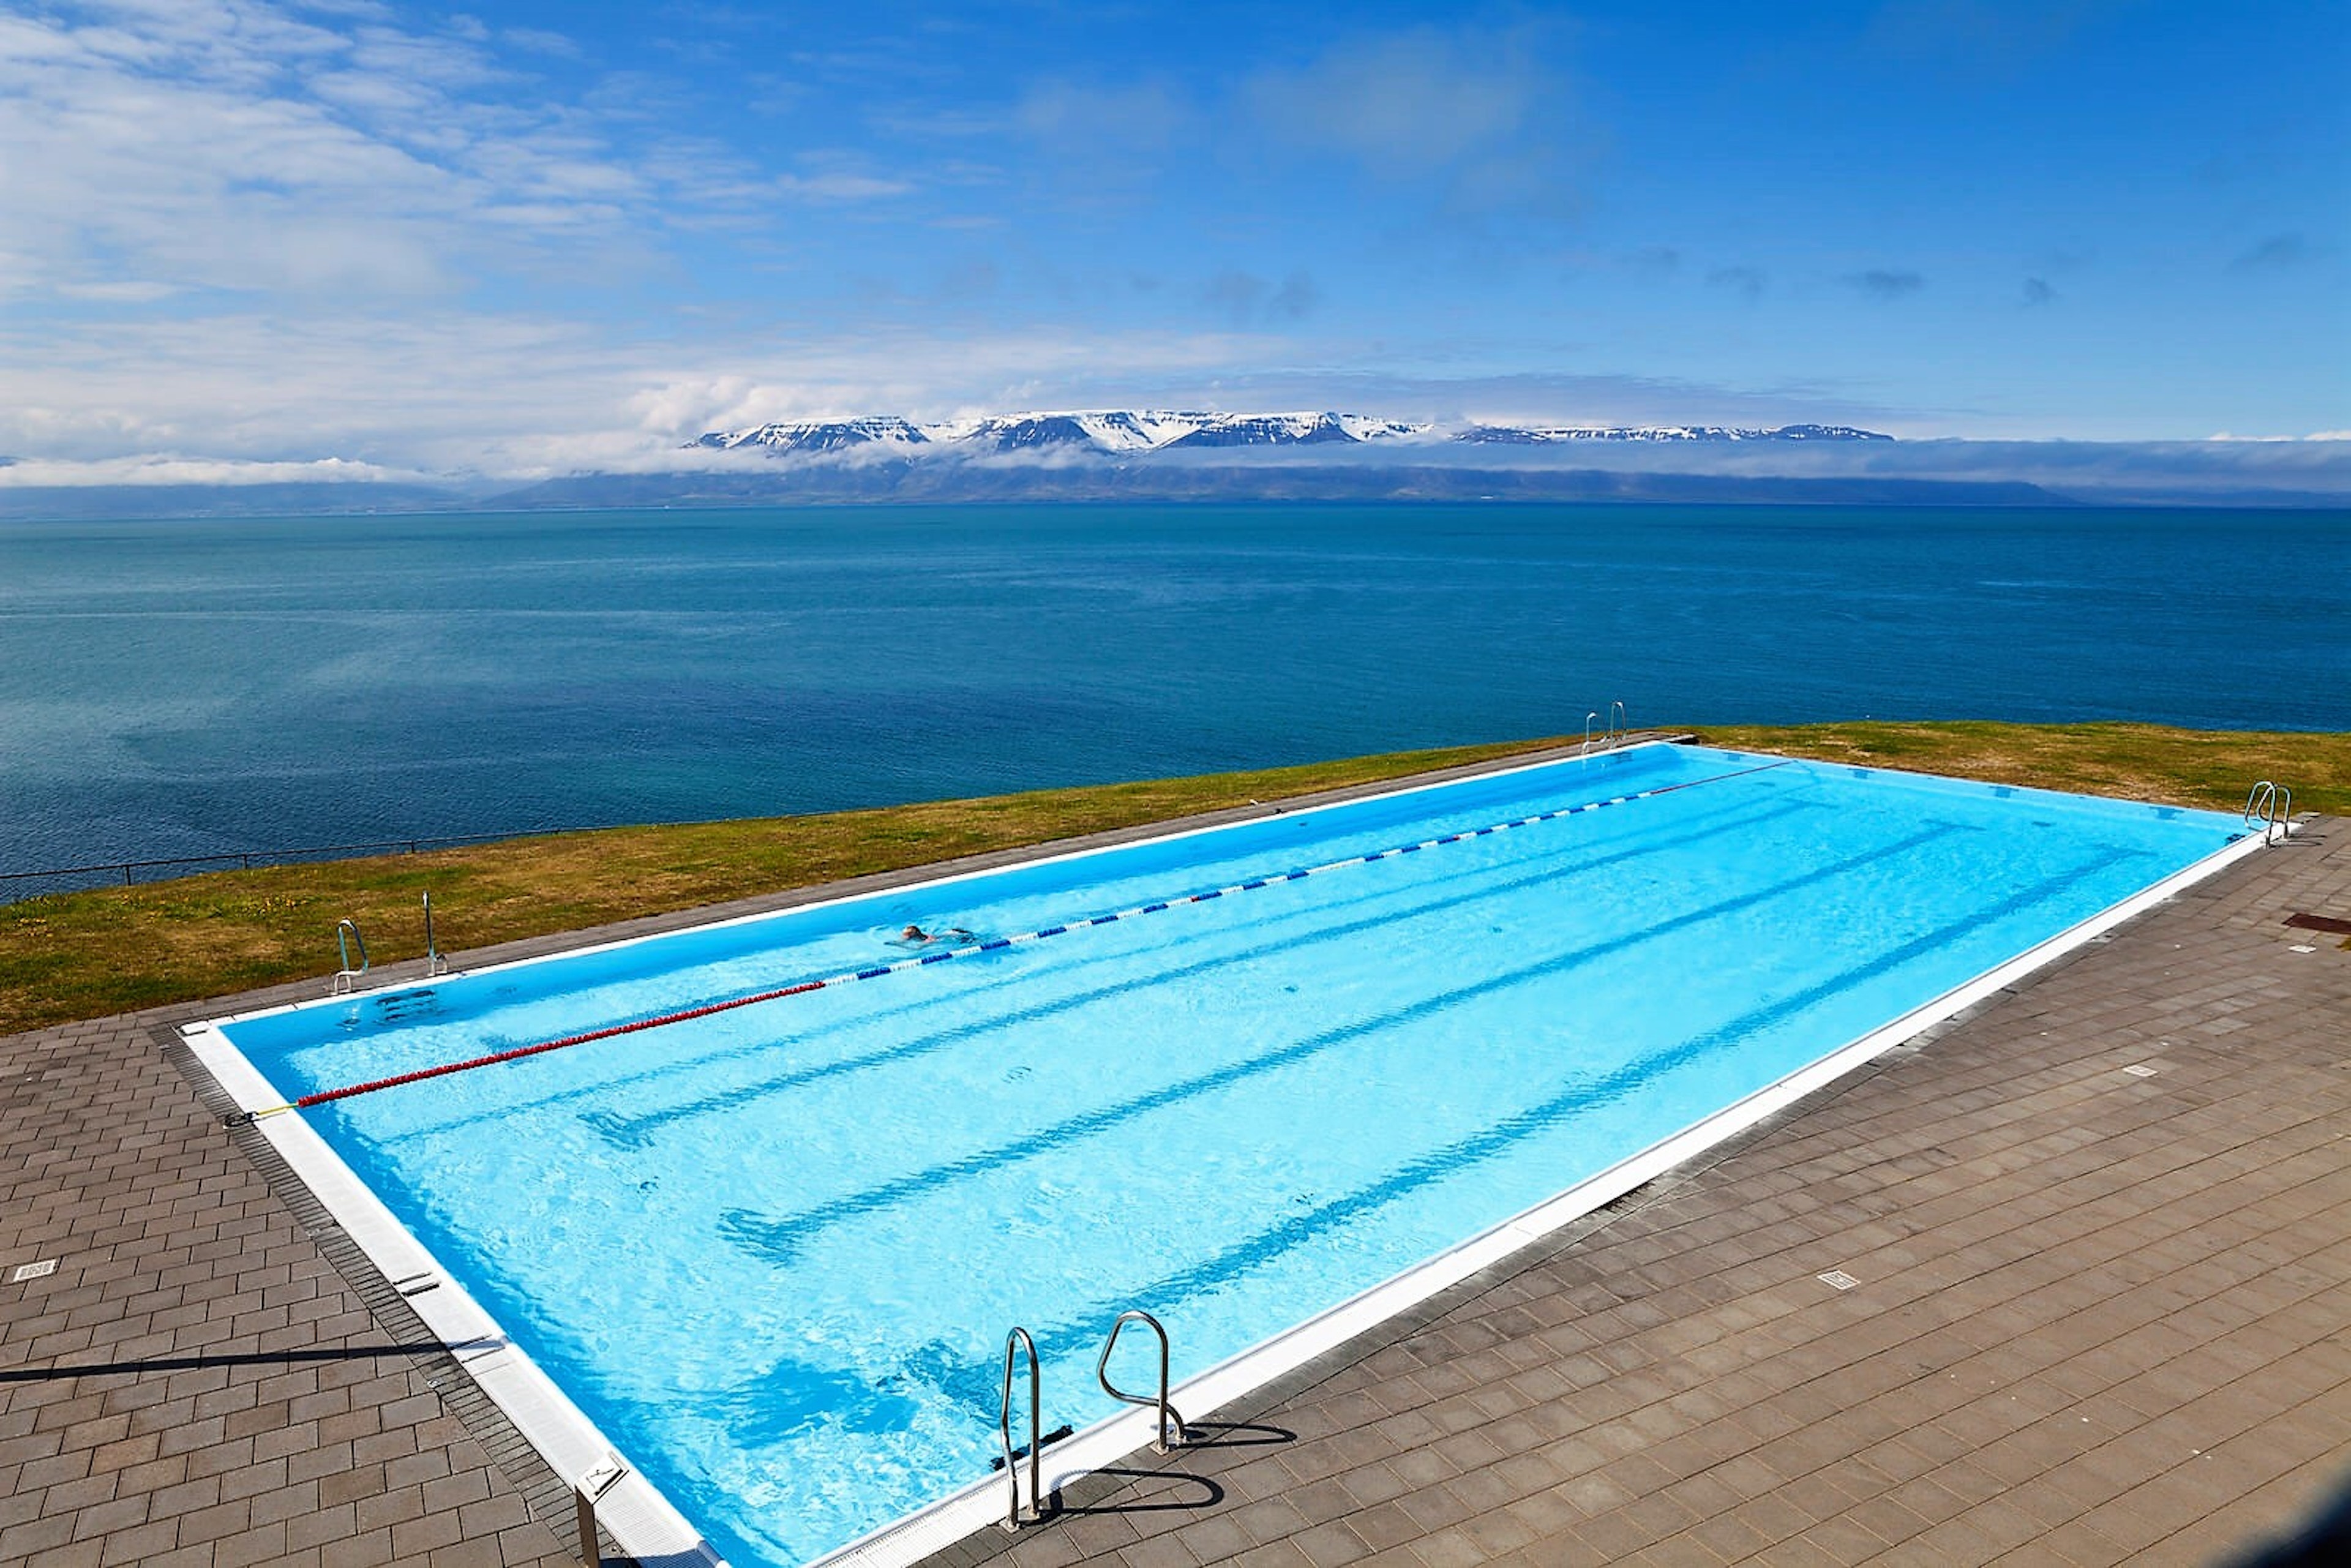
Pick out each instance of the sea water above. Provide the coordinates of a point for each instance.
(184, 688)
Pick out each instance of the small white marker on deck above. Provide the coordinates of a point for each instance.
(2139, 1070)
(1839, 1278)
(41, 1269)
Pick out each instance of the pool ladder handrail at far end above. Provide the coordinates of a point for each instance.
(434, 964)
(347, 935)
(1172, 1432)
(2269, 806)
(1616, 733)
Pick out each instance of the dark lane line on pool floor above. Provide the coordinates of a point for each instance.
(1163, 1296)
(780, 1239)
(521, 1053)
(630, 1131)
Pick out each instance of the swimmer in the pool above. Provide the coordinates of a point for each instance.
(915, 936)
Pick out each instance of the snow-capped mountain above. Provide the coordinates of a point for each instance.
(1121, 432)
(1116, 432)
(1545, 436)
(821, 436)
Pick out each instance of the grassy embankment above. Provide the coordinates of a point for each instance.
(87, 954)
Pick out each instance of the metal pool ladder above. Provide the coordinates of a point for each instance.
(1612, 736)
(347, 936)
(1172, 1434)
(433, 963)
(1014, 1343)
(2270, 807)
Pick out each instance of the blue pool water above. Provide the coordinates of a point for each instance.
(773, 1252)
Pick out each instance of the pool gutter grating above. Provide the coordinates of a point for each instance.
(430, 1361)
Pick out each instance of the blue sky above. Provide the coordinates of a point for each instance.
(525, 238)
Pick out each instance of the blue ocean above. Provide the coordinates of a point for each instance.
(197, 687)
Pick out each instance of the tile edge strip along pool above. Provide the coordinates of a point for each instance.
(643, 1521)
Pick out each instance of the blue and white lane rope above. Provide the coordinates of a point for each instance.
(1252, 885)
(993, 945)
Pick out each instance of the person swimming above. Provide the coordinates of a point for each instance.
(915, 937)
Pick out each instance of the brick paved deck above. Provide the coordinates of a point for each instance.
(2099, 1317)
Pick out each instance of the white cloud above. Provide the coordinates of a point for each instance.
(1483, 113)
(1411, 101)
(840, 185)
(541, 41)
(230, 146)
(39, 473)
(475, 392)
(1092, 119)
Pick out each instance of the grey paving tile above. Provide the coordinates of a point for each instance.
(2101, 1318)
(2067, 1270)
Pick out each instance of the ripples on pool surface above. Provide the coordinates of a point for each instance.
(773, 1252)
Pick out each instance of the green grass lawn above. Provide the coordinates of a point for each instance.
(89, 955)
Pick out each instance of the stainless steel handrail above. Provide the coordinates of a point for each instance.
(1617, 728)
(2270, 807)
(1171, 1425)
(1589, 720)
(433, 963)
(1014, 1342)
(347, 934)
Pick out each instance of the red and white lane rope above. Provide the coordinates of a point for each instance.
(965, 951)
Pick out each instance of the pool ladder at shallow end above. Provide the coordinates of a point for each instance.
(1014, 1343)
(1172, 1432)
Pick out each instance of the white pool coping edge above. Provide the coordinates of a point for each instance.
(1103, 1444)
(642, 1520)
(633, 1509)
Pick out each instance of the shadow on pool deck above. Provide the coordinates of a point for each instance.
(2097, 1317)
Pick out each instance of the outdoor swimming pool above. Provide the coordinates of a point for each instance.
(771, 1252)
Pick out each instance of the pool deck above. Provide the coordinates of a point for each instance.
(2097, 1315)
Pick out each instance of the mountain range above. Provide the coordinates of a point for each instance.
(1125, 433)
(1156, 456)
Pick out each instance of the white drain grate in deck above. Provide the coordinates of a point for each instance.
(2139, 1070)
(41, 1269)
(1839, 1278)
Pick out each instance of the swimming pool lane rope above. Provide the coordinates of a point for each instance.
(947, 955)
